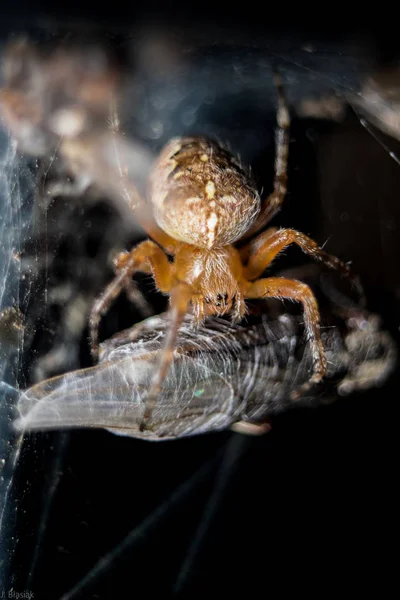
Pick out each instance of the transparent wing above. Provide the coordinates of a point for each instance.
(221, 374)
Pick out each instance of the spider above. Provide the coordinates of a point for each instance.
(204, 201)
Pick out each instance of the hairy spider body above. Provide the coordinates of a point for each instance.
(215, 276)
(203, 201)
(201, 194)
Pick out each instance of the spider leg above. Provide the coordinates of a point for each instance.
(131, 194)
(133, 294)
(251, 247)
(179, 300)
(136, 297)
(267, 247)
(140, 258)
(279, 287)
(105, 161)
(273, 202)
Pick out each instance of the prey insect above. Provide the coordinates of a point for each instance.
(203, 202)
(223, 375)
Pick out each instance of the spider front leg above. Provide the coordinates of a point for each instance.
(180, 296)
(266, 247)
(142, 258)
(278, 287)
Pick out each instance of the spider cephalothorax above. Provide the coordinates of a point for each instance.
(203, 201)
(214, 276)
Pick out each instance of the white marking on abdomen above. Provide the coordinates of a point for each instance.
(210, 190)
(211, 225)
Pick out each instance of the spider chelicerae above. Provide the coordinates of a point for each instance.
(204, 202)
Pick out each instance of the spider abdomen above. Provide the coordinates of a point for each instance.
(201, 195)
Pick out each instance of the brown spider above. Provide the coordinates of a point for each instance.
(203, 201)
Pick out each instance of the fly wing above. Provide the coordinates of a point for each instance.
(195, 398)
(221, 373)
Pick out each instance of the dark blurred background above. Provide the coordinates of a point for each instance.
(311, 506)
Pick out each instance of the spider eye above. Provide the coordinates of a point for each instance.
(207, 300)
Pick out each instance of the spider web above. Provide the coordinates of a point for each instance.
(16, 193)
(112, 516)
